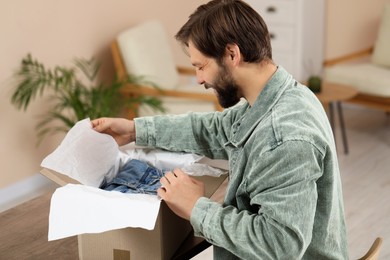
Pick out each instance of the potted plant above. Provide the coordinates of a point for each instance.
(74, 93)
(314, 83)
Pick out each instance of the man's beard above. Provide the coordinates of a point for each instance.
(228, 92)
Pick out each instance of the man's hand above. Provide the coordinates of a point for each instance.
(180, 192)
(121, 129)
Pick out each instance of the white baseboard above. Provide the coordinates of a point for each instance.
(24, 190)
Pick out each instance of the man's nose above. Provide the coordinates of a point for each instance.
(199, 78)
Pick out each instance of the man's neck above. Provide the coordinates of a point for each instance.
(253, 78)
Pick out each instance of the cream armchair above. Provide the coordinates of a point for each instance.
(368, 70)
(143, 50)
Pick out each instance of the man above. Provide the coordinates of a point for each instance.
(284, 198)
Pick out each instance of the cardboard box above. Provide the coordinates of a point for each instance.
(135, 243)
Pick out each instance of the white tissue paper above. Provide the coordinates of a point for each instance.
(79, 209)
(89, 157)
(85, 155)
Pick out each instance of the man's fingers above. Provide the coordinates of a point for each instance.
(168, 179)
(161, 192)
(178, 173)
(99, 124)
(170, 176)
(164, 181)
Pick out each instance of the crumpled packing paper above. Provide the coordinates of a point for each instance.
(89, 157)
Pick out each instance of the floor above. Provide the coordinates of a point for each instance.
(365, 174)
(23, 234)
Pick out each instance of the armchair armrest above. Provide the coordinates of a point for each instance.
(349, 57)
(186, 71)
(150, 91)
(118, 62)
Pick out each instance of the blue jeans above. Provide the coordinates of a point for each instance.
(135, 177)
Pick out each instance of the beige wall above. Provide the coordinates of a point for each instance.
(351, 25)
(57, 31)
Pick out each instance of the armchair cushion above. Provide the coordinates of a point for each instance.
(381, 55)
(367, 78)
(146, 52)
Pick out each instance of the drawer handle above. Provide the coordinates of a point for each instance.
(272, 36)
(271, 9)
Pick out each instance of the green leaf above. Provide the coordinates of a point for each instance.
(71, 98)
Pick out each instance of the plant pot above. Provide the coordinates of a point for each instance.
(314, 84)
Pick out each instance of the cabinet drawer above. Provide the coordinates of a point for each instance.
(282, 38)
(276, 11)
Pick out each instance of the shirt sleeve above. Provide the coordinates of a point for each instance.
(200, 133)
(274, 215)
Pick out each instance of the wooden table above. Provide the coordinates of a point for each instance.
(336, 93)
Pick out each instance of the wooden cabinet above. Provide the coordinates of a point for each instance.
(297, 33)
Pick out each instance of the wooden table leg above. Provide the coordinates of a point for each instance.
(342, 127)
(331, 119)
(342, 124)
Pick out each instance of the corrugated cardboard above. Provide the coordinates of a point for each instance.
(135, 243)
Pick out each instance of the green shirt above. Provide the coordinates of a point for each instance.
(284, 197)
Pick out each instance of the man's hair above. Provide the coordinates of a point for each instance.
(220, 22)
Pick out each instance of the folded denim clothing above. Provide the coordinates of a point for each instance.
(135, 177)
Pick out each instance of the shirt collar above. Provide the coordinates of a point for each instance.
(266, 100)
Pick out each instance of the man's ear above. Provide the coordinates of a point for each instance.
(232, 54)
